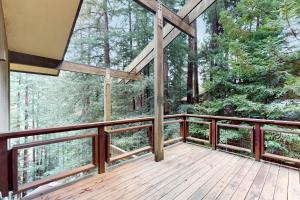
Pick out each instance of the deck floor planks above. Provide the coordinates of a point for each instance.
(188, 172)
(246, 183)
(168, 185)
(201, 180)
(141, 181)
(258, 183)
(270, 183)
(228, 178)
(281, 190)
(202, 190)
(234, 184)
(154, 184)
(129, 177)
(294, 185)
(124, 172)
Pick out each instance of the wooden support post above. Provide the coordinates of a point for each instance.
(158, 86)
(102, 149)
(4, 76)
(212, 138)
(4, 170)
(258, 142)
(4, 108)
(107, 98)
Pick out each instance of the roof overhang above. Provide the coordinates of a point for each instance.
(38, 33)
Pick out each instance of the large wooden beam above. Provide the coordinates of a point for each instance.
(100, 71)
(158, 86)
(27, 59)
(4, 107)
(191, 11)
(169, 16)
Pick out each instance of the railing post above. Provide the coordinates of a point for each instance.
(257, 141)
(184, 129)
(102, 149)
(213, 134)
(4, 169)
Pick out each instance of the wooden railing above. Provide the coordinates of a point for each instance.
(101, 145)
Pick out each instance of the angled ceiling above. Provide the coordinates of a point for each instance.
(39, 31)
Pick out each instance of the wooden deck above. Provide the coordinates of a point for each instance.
(188, 172)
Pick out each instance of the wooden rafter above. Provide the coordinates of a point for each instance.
(100, 71)
(191, 11)
(169, 16)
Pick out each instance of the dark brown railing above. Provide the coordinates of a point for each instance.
(101, 146)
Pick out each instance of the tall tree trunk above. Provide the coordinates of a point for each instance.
(195, 49)
(130, 29)
(106, 34)
(190, 70)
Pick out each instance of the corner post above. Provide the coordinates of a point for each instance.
(158, 86)
(184, 128)
(257, 141)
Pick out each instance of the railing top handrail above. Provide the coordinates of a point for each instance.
(60, 129)
(43, 131)
(250, 120)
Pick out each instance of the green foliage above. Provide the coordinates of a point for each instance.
(260, 77)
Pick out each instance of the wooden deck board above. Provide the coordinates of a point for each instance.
(188, 172)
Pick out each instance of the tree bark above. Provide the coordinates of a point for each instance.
(195, 49)
(106, 34)
(189, 89)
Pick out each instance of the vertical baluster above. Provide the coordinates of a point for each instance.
(257, 142)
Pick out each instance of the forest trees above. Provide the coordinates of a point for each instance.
(259, 75)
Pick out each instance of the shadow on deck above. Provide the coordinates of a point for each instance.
(188, 172)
